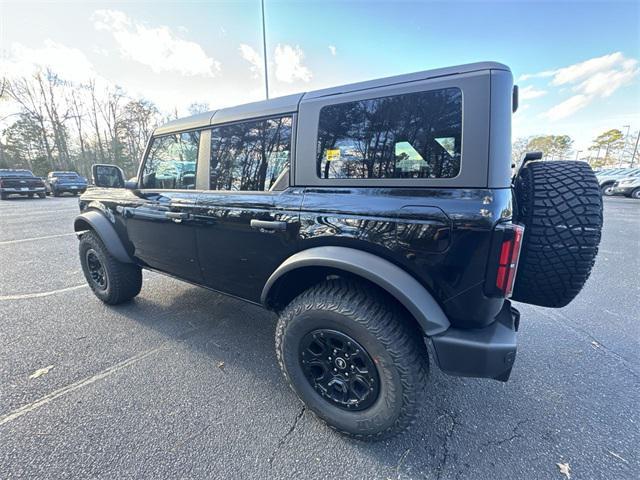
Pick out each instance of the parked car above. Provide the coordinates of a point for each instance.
(607, 178)
(371, 218)
(58, 183)
(629, 187)
(20, 182)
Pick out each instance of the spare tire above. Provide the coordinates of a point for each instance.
(560, 205)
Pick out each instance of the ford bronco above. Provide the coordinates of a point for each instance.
(374, 218)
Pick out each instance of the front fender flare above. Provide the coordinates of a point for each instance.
(402, 286)
(96, 221)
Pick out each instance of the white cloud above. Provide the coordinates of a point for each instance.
(568, 107)
(69, 63)
(579, 71)
(156, 47)
(332, 49)
(288, 60)
(595, 78)
(530, 92)
(254, 58)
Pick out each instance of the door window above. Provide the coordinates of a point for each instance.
(415, 135)
(251, 155)
(171, 162)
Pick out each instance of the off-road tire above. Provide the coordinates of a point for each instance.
(394, 344)
(560, 204)
(124, 280)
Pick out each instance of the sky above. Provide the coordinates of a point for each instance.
(577, 63)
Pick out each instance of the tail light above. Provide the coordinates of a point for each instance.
(502, 270)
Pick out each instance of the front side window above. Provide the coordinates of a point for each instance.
(250, 156)
(171, 163)
(415, 135)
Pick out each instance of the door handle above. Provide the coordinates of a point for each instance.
(176, 216)
(265, 225)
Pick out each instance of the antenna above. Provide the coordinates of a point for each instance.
(264, 53)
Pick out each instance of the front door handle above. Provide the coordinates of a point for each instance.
(270, 226)
(177, 216)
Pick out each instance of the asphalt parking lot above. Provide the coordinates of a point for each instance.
(183, 382)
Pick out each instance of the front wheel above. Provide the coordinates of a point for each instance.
(42, 195)
(353, 359)
(635, 194)
(607, 189)
(112, 281)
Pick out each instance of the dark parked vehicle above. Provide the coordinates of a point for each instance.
(20, 182)
(58, 183)
(370, 217)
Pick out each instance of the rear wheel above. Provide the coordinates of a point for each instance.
(635, 194)
(3, 196)
(560, 204)
(353, 359)
(112, 281)
(30, 195)
(42, 195)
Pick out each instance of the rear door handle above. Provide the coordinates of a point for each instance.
(177, 216)
(266, 225)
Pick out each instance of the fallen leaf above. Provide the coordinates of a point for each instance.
(221, 365)
(595, 344)
(41, 371)
(565, 469)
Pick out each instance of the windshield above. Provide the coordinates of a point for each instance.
(15, 173)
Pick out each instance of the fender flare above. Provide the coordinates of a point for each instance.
(105, 230)
(402, 286)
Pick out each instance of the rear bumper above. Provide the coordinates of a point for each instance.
(10, 190)
(487, 352)
(69, 189)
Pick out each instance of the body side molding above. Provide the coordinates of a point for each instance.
(402, 286)
(104, 229)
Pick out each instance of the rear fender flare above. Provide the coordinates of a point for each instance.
(99, 223)
(391, 278)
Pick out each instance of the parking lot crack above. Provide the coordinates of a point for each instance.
(446, 449)
(284, 438)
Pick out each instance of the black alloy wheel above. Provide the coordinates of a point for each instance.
(96, 270)
(339, 369)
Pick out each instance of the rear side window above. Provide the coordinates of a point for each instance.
(251, 155)
(171, 163)
(414, 135)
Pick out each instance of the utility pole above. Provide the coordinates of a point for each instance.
(578, 154)
(635, 150)
(626, 137)
(264, 53)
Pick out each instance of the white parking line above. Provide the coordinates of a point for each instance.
(21, 240)
(41, 294)
(75, 386)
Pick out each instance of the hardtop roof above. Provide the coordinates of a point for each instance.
(290, 103)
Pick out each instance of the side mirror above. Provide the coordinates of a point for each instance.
(107, 176)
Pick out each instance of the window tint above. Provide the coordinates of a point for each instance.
(415, 135)
(250, 155)
(171, 162)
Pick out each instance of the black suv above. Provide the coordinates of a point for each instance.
(374, 218)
